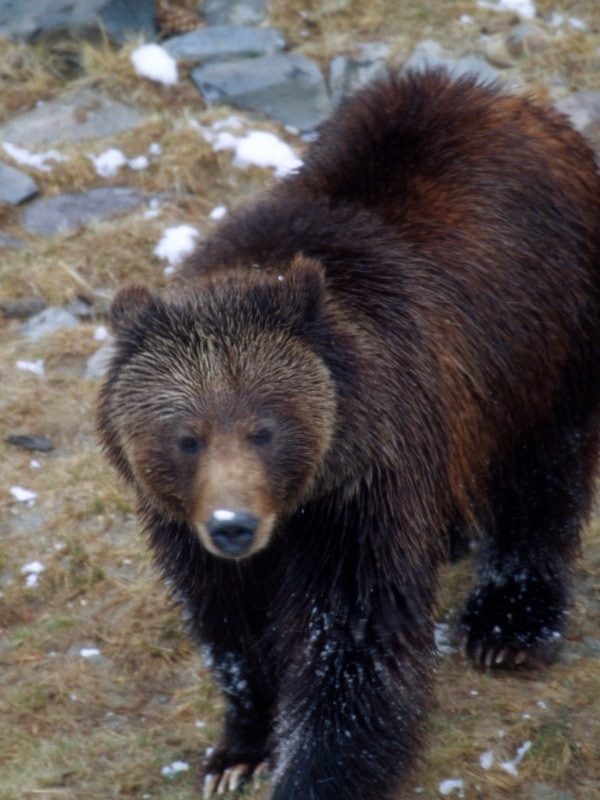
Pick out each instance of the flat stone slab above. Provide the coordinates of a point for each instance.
(52, 215)
(235, 12)
(28, 20)
(47, 321)
(287, 88)
(225, 41)
(15, 186)
(74, 116)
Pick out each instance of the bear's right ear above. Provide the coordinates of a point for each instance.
(128, 305)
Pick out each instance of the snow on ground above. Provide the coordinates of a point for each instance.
(152, 61)
(109, 162)
(35, 367)
(32, 571)
(171, 770)
(176, 243)
(523, 8)
(36, 160)
(511, 766)
(254, 148)
(452, 785)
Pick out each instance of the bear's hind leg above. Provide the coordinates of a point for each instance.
(539, 500)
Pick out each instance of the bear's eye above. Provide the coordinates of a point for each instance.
(261, 436)
(190, 444)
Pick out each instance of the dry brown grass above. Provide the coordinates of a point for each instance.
(77, 728)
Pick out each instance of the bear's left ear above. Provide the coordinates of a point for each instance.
(128, 306)
(303, 288)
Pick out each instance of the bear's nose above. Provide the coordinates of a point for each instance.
(232, 532)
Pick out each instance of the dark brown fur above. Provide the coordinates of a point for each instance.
(400, 343)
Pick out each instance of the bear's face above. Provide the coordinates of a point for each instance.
(217, 408)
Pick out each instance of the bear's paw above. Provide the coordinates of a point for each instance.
(228, 772)
(512, 619)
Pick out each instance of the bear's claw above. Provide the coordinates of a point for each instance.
(231, 779)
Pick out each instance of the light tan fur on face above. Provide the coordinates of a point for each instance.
(232, 477)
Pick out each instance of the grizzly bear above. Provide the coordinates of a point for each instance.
(400, 343)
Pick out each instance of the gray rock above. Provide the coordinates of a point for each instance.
(73, 116)
(47, 321)
(9, 241)
(15, 186)
(30, 442)
(225, 41)
(22, 307)
(52, 215)
(544, 791)
(235, 12)
(24, 20)
(349, 73)
(430, 54)
(287, 88)
(583, 109)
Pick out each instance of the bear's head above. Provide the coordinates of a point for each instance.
(217, 406)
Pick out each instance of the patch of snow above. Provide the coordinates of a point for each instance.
(523, 8)
(89, 652)
(137, 163)
(577, 24)
(32, 572)
(176, 243)
(450, 785)
(441, 631)
(218, 213)
(511, 766)
(101, 333)
(35, 464)
(486, 760)
(108, 163)
(255, 148)
(35, 367)
(24, 496)
(155, 149)
(153, 211)
(36, 160)
(200, 723)
(154, 62)
(171, 770)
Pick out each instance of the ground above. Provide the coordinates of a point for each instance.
(100, 689)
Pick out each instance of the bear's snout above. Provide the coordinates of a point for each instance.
(232, 532)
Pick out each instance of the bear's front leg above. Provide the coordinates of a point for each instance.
(351, 707)
(243, 750)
